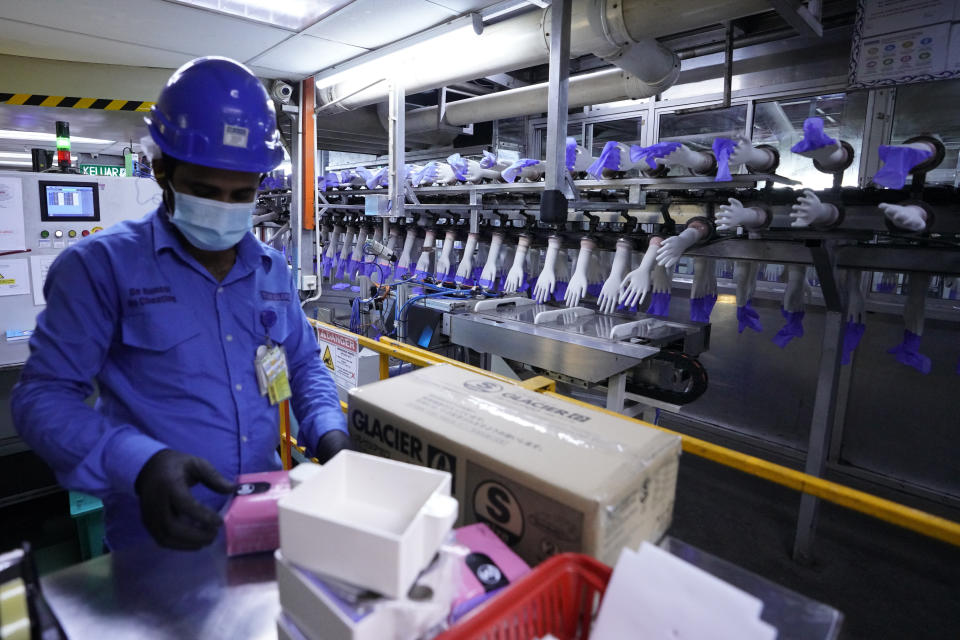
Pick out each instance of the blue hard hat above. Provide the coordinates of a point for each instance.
(214, 112)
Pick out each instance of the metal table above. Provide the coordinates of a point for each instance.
(148, 592)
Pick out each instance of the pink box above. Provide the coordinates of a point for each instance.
(489, 567)
(251, 518)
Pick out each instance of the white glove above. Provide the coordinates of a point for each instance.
(547, 280)
(661, 280)
(443, 262)
(357, 255)
(607, 301)
(465, 270)
(856, 297)
(672, 249)
(577, 288)
(684, 156)
(423, 262)
(759, 160)
(331, 252)
(489, 273)
(734, 214)
(515, 275)
(532, 174)
(445, 175)
(476, 173)
(636, 286)
(407, 254)
(907, 217)
(810, 211)
(831, 157)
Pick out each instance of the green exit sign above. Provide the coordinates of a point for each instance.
(103, 170)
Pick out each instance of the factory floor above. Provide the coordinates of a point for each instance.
(888, 582)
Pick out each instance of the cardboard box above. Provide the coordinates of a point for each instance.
(546, 475)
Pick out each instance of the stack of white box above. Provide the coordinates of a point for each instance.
(361, 551)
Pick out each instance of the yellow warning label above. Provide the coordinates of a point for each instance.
(328, 358)
(13, 281)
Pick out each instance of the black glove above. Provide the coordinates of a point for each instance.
(169, 511)
(331, 443)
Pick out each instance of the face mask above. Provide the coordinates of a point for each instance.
(211, 225)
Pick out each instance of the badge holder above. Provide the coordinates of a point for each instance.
(273, 380)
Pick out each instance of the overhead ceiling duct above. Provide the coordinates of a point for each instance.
(591, 88)
(621, 31)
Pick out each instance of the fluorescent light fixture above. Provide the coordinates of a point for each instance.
(17, 163)
(10, 134)
(14, 154)
(289, 14)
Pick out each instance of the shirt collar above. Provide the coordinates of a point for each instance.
(250, 252)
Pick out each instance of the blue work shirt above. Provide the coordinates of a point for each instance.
(173, 353)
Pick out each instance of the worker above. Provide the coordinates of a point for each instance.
(167, 313)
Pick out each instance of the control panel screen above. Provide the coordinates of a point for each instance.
(69, 201)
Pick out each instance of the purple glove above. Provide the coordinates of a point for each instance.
(510, 173)
(427, 173)
(327, 265)
(341, 268)
(908, 353)
(701, 308)
(609, 159)
(632, 309)
(459, 165)
(560, 290)
(421, 275)
(466, 281)
(594, 289)
(659, 303)
(722, 148)
(747, 317)
(399, 272)
(793, 328)
(340, 286)
(489, 160)
(897, 163)
(366, 174)
(571, 153)
(852, 334)
(490, 285)
(651, 153)
(813, 136)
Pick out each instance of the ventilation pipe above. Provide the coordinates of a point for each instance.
(620, 31)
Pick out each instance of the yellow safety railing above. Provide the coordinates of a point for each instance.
(887, 510)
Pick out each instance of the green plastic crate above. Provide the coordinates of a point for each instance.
(87, 512)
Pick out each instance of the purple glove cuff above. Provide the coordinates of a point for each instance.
(908, 353)
(510, 173)
(722, 149)
(489, 160)
(651, 153)
(632, 309)
(459, 165)
(594, 289)
(793, 328)
(852, 334)
(813, 136)
(659, 303)
(466, 281)
(327, 265)
(571, 157)
(486, 283)
(897, 163)
(341, 267)
(748, 318)
(701, 308)
(421, 275)
(400, 272)
(609, 159)
(340, 286)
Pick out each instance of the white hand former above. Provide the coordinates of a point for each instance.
(672, 249)
(907, 217)
(755, 159)
(466, 262)
(443, 262)
(577, 288)
(684, 156)
(423, 262)
(445, 174)
(547, 280)
(809, 210)
(734, 214)
(489, 273)
(634, 288)
(830, 156)
(515, 275)
(607, 301)
(407, 254)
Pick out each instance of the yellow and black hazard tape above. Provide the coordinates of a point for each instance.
(36, 100)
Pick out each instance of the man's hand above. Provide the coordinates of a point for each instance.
(331, 443)
(169, 511)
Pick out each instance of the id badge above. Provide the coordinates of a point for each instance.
(272, 374)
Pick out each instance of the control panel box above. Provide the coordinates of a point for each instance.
(41, 215)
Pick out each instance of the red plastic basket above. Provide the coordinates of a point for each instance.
(560, 597)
